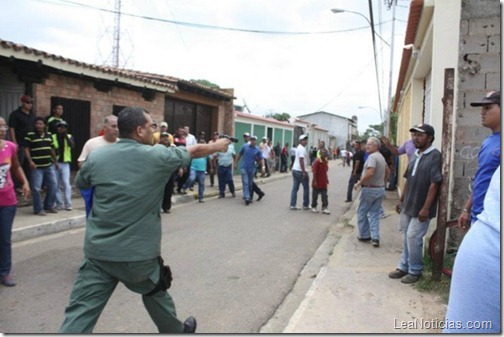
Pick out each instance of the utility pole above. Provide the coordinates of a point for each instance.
(374, 53)
(117, 34)
(391, 74)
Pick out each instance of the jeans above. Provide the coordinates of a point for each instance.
(7, 214)
(43, 176)
(283, 164)
(225, 175)
(168, 192)
(351, 182)
(247, 176)
(370, 202)
(323, 193)
(413, 232)
(297, 177)
(63, 181)
(199, 177)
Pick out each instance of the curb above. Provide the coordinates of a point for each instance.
(75, 222)
(48, 228)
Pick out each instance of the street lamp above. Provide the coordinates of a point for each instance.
(336, 11)
(368, 107)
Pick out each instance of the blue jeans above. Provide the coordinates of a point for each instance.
(297, 177)
(413, 232)
(7, 214)
(247, 176)
(370, 202)
(199, 177)
(63, 182)
(225, 176)
(39, 177)
(351, 182)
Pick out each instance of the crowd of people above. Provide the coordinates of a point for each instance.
(181, 160)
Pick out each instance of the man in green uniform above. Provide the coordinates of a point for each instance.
(123, 230)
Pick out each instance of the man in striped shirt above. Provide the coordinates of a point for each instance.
(41, 156)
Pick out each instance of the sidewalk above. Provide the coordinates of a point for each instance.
(353, 293)
(29, 226)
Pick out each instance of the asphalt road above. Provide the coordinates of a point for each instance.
(233, 265)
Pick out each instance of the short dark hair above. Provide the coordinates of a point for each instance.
(39, 118)
(129, 119)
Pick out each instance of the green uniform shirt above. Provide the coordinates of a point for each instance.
(129, 180)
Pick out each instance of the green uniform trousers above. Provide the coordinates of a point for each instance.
(95, 283)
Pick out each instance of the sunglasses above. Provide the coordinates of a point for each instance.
(27, 102)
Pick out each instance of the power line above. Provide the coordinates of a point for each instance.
(204, 26)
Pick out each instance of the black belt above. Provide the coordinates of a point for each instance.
(373, 186)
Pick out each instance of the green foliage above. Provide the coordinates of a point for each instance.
(283, 117)
(426, 284)
(393, 127)
(375, 130)
(206, 83)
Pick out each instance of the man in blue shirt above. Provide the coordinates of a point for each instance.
(250, 153)
(488, 158)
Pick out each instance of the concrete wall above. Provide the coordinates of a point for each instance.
(479, 71)
(338, 128)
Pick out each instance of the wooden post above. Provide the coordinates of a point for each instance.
(446, 151)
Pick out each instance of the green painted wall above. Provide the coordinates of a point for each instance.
(288, 137)
(260, 132)
(278, 137)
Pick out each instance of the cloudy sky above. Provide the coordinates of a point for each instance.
(293, 56)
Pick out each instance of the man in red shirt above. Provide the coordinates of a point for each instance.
(320, 182)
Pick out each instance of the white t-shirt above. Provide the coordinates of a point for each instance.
(91, 145)
(266, 151)
(191, 140)
(300, 153)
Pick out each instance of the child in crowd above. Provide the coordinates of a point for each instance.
(197, 173)
(320, 181)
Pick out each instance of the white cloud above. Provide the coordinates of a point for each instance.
(297, 74)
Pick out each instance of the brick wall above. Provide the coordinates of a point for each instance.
(479, 71)
(101, 102)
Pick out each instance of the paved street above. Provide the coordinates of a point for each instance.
(233, 265)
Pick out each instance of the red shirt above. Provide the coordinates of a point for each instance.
(319, 170)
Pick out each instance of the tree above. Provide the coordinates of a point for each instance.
(206, 83)
(283, 117)
(393, 127)
(375, 130)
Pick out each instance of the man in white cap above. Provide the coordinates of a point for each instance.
(251, 154)
(265, 149)
(300, 175)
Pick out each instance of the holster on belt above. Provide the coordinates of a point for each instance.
(165, 278)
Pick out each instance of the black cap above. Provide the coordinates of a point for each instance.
(423, 128)
(493, 97)
(62, 123)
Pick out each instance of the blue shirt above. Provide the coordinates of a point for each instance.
(249, 156)
(488, 159)
(199, 164)
(226, 158)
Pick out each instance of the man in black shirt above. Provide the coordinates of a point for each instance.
(22, 121)
(357, 166)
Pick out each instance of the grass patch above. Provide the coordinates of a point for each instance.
(426, 284)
